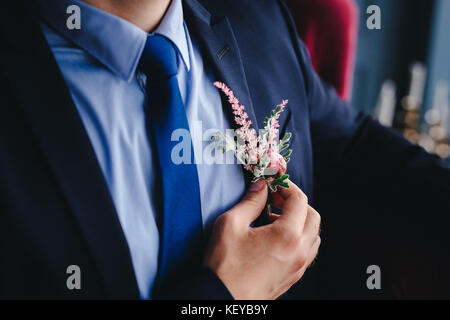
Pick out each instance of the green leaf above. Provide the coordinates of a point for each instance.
(284, 185)
(283, 147)
(287, 159)
(287, 154)
(263, 162)
(279, 183)
(287, 137)
(283, 177)
(274, 112)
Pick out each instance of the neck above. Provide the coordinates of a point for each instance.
(146, 14)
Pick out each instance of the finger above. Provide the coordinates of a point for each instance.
(312, 255)
(286, 192)
(252, 204)
(294, 209)
(311, 228)
(314, 251)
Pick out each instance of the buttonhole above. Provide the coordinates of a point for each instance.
(223, 52)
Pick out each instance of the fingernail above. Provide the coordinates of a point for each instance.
(257, 186)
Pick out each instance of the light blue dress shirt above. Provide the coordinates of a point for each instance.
(99, 64)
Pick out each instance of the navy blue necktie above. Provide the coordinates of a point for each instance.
(181, 225)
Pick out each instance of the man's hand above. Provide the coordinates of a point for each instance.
(264, 262)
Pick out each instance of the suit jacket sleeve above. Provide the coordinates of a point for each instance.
(352, 149)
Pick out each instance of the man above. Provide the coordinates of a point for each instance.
(87, 118)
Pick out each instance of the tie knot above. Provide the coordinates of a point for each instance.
(159, 58)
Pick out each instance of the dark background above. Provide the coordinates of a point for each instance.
(412, 250)
(412, 31)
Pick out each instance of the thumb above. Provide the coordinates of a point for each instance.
(253, 202)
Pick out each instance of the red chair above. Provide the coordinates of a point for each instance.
(329, 28)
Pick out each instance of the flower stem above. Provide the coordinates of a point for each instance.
(264, 217)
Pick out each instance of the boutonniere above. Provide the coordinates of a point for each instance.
(264, 154)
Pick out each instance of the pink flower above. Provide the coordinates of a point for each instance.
(277, 164)
(238, 110)
(273, 130)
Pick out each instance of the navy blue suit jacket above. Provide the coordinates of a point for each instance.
(55, 209)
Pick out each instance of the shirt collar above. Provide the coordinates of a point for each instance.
(172, 26)
(115, 42)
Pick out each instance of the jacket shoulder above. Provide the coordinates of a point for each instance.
(246, 11)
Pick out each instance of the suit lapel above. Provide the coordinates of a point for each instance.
(41, 92)
(221, 51)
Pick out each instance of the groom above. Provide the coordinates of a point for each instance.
(86, 128)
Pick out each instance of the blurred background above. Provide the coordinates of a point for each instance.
(400, 73)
